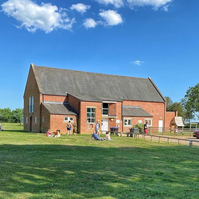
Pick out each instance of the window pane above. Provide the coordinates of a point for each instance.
(105, 112)
(91, 115)
(88, 120)
(105, 105)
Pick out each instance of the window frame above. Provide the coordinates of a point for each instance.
(127, 121)
(150, 122)
(32, 105)
(29, 105)
(91, 119)
(105, 109)
(68, 119)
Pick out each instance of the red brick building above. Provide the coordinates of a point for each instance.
(53, 97)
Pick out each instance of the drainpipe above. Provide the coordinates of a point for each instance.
(164, 115)
(122, 115)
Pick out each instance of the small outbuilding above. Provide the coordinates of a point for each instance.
(176, 122)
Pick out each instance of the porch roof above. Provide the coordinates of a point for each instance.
(60, 109)
(135, 111)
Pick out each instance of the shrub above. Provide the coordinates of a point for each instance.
(140, 126)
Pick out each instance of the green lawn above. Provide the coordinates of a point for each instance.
(33, 166)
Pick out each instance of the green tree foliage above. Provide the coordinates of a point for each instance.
(17, 114)
(176, 106)
(190, 102)
(169, 103)
(6, 115)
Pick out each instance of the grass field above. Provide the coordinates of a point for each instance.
(33, 166)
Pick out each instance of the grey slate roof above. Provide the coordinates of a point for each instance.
(88, 86)
(59, 109)
(135, 111)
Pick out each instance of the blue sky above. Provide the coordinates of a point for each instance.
(138, 38)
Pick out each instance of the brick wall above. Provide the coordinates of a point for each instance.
(88, 128)
(154, 108)
(74, 102)
(55, 98)
(169, 116)
(115, 109)
(45, 119)
(32, 90)
(57, 122)
(135, 120)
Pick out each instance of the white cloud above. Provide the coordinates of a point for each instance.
(154, 3)
(137, 62)
(165, 8)
(32, 16)
(111, 17)
(80, 7)
(89, 23)
(116, 3)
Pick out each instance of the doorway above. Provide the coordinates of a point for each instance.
(104, 125)
(160, 126)
(31, 124)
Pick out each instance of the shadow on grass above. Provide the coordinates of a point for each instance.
(15, 131)
(62, 171)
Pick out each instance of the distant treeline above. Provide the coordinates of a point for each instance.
(8, 115)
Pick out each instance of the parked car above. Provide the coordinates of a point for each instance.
(196, 134)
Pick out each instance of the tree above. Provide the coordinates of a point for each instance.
(177, 106)
(17, 114)
(190, 102)
(5, 114)
(169, 103)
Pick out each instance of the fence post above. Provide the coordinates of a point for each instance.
(159, 139)
(190, 143)
(178, 141)
(151, 138)
(168, 140)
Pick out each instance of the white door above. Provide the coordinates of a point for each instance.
(160, 126)
(104, 125)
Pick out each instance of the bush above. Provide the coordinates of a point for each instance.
(140, 126)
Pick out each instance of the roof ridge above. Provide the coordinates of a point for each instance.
(47, 67)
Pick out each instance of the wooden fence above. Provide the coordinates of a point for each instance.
(160, 138)
(167, 139)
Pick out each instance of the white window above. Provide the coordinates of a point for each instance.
(35, 120)
(105, 109)
(43, 119)
(29, 105)
(67, 119)
(127, 122)
(32, 104)
(149, 122)
(91, 112)
(26, 120)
